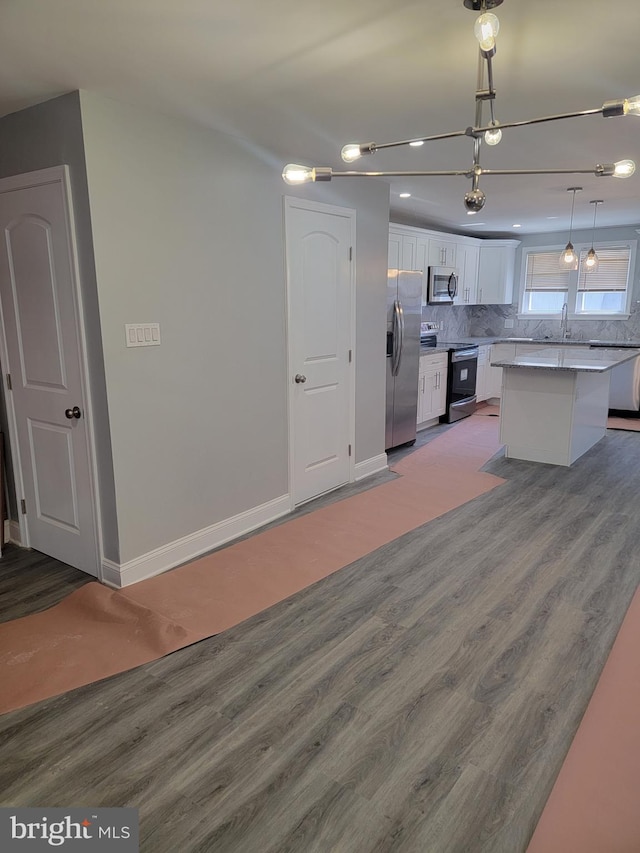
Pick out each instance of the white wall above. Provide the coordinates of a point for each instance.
(188, 232)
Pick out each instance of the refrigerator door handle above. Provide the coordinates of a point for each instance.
(398, 336)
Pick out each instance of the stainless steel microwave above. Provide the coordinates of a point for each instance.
(442, 285)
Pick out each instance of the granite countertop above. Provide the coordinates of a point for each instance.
(585, 359)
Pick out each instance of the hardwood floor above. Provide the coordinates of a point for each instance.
(420, 700)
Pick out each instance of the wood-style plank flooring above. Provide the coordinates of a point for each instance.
(420, 700)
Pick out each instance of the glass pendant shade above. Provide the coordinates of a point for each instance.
(568, 258)
(592, 261)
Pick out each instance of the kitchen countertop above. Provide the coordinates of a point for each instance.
(585, 359)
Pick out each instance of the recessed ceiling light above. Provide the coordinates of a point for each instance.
(516, 225)
(405, 195)
(552, 217)
(416, 144)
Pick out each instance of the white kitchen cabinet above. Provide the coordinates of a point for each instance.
(495, 272)
(468, 261)
(493, 381)
(402, 250)
(442, 252)
(432, 388)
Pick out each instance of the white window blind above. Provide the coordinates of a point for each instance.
(544, 273)
(612, 272)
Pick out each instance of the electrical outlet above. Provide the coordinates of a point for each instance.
(508, 324)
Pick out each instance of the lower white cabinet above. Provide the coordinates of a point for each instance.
(493, 382)
(432, 387)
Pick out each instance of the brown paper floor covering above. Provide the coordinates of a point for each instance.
(96, 632)
(594, 804)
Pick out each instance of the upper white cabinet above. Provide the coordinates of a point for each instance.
(402, 250)
(485, 267)
(468, 262)
(496, 271)
(442, 252)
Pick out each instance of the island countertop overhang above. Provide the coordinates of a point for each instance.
(571, 358)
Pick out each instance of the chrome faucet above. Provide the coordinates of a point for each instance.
(564, 321)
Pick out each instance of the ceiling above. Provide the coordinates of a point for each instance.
(297, 79)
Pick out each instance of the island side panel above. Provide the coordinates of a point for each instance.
(591, 408)
(536, 413)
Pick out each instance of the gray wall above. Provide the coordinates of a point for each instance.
(188, 232)
(50, 134)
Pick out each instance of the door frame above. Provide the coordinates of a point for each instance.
(291, 203)
(61, 175)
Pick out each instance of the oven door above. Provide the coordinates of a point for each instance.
(463, 370)
(443, 285)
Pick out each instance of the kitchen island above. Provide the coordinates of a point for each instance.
(555, 401)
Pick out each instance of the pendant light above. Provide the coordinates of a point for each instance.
(568, 258)
(592, 262)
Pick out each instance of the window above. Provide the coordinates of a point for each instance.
(604, 292)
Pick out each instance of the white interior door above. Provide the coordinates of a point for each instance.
(319, 241)
(43, 356)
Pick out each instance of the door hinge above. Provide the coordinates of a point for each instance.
(349, 450)
(23, 506)
(9, 385)
(350, 356)
(350, 253)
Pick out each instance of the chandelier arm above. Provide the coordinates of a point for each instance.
(541, 119)
(452, 135)
(476, 131)
(597, 170)
(465, 173)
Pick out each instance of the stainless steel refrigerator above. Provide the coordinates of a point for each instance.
(404, 314)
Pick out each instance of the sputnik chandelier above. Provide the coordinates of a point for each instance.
(485, 29)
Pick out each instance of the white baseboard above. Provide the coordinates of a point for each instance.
(370, 466)
(175, 553)
(12, 531)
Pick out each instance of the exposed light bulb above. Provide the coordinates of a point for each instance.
(592, 260)
(294, 174)
(569, 259)
(351, 152)
(632, 106)
(492, 137)
(624, 169)
(486, 29)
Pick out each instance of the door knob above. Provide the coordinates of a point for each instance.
(299, 378)
(73, 413)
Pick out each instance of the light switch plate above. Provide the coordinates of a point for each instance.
(508, 324)
(142, 334)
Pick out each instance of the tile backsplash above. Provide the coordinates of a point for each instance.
(454, 321)
(459, 321)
